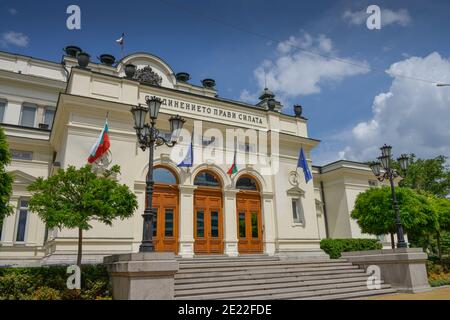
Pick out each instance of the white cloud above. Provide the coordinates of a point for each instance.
(412, 116)
(388, 17)
(14, 38)
(295, 72)
(249, 97)
(13, 11)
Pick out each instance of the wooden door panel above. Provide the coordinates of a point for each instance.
(208, 222)
(165, 233)
(249, 223)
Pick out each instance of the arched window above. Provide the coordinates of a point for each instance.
(164, 175)
(247, 183)
(206, 179)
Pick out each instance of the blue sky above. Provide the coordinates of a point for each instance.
(351, 109)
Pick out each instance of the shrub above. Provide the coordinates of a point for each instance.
(49, 283)
(335, 247)
(46, 293)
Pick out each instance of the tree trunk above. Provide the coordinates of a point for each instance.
(80, 245)
(392, 241)
(439, 246)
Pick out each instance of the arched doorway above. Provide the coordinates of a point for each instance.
(248, 210)
(165, 201)
(208, 219)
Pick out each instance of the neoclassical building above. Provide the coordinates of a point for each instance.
(52, 114)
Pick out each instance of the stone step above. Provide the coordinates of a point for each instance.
(355, 295)
(287, 293)
(213, 283)
(224, 257)
(186, 291)
(239, 271)
(327, 294)
(199, 266)
(286, 267)
(183, 279)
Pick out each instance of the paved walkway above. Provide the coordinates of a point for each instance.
(442, 293)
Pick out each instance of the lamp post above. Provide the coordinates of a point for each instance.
(149, 138)
(390, 173)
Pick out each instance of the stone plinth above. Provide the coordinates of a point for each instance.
(142, 276)
(404, 269)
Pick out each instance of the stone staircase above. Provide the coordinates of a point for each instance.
(260, 277)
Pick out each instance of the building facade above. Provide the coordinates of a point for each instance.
(53, 113)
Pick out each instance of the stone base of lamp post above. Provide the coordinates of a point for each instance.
(142, 276)
(403, 268)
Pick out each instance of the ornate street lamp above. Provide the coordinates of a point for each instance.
(390, 173)
(148, 137)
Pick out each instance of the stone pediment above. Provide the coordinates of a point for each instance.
(22, 178)
(296, 192)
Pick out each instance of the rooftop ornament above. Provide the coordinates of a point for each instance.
(83, 59)
(183, 76)
(209, 83)
(148, 76)
(107, 59)
(130, 70)
(72, 51)
(298, 109)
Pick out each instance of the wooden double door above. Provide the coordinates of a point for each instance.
(249, 224)
(208, 221)
(165, 226)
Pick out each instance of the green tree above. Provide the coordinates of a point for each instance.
(430, 175)
(375, 215)
(72, 198)
(6, 178)
(442, 208)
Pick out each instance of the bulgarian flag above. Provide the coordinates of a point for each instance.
(101, 146)
(233, 169)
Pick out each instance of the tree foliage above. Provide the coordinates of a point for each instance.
(375, 215)
(73, 198)
(430, 175)
(6, 178)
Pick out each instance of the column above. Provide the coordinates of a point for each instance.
(230, 224)
(186, 219)
(267, 207)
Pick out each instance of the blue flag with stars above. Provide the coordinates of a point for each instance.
(302, 163)
(188, 159)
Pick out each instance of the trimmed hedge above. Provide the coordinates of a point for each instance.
(49, 283)
(335, 247)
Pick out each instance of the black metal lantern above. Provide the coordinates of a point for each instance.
(149, 138)
(154, 104)
(390, 174)
(385, 161)
(376, 168)
(176, 123)
(139, 114)
(83, 59)
(403, 161)
(386, 151)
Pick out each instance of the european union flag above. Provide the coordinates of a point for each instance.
(302, 163)
(189, 159)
